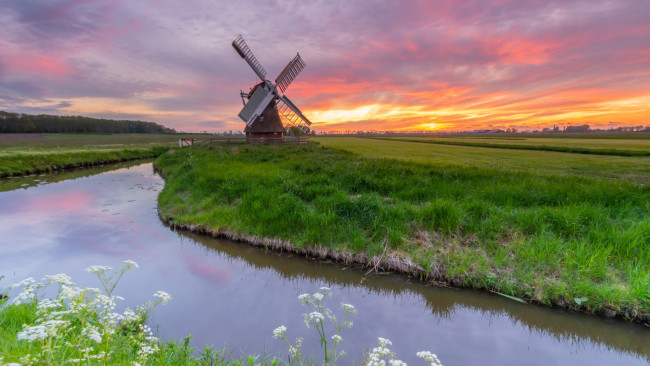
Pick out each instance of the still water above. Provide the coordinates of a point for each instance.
(230, 294)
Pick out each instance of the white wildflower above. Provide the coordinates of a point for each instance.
(61, 279)
(128, 264)
(33, 333)
(430, 358)
(98, 269)
(304, 298)
(279, 331)
(348, 308)
(318, 296)
(28, 295)
(47, 329)
(69, 293)
(147, 350)
(102, 301)
(396, 363)
(381, 351)
(316, 316)
(163, 296)
(47, 304)
(24, 283)
(293, 351)
(129, 315)
(146, 329)
(325, 288)
(383, 342)
(337, 338)
(98, 356)
(91, 333)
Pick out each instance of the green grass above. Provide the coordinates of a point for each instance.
(22, 154)
(536, 233)
(615, 147)
(122, 348)
(546, 162)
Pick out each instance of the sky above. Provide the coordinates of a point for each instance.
(379, 65)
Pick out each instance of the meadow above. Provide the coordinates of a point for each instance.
(36, 153)
(615, 144)
(563, 229)
(635, 169)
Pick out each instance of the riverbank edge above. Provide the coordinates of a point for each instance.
(52, 167)
(395, 263)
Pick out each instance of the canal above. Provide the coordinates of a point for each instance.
(228, 294)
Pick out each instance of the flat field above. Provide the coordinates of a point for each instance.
(34, 153)
(634, 168)
(615, 144)
(567, 229)
(60, 143)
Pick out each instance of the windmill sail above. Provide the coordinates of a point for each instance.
(256, 105)
(242, 49)
(291, 113)
(290, 72)
(266, 108)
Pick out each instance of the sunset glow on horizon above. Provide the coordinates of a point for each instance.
(371, 65)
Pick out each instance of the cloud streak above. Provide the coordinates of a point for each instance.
(379, 65)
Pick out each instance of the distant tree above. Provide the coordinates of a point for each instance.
(43, 123)
(577, 129)
(294, 131)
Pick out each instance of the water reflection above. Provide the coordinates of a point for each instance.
(231, 294)
(446, 304)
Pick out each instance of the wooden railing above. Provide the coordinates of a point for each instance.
(256, 140)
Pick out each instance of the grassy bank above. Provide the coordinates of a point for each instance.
(22, 154)
(31, 164)
(550, 238)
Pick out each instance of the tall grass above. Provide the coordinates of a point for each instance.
(542, 237)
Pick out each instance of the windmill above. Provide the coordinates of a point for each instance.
(265, 102)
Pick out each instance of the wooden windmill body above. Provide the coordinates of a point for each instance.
(266, 110)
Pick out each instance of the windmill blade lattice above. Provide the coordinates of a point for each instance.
(291, 113)
(242, 49)
(290, 72)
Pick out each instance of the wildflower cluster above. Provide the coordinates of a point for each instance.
(376, 357)
(318, 313)
(430, 358)
(316, 317)
(83, 321)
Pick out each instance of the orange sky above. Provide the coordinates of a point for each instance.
(381, 65)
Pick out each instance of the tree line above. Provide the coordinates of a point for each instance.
(44, 123)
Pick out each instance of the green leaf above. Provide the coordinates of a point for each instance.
(580, 300)
(510, 297)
